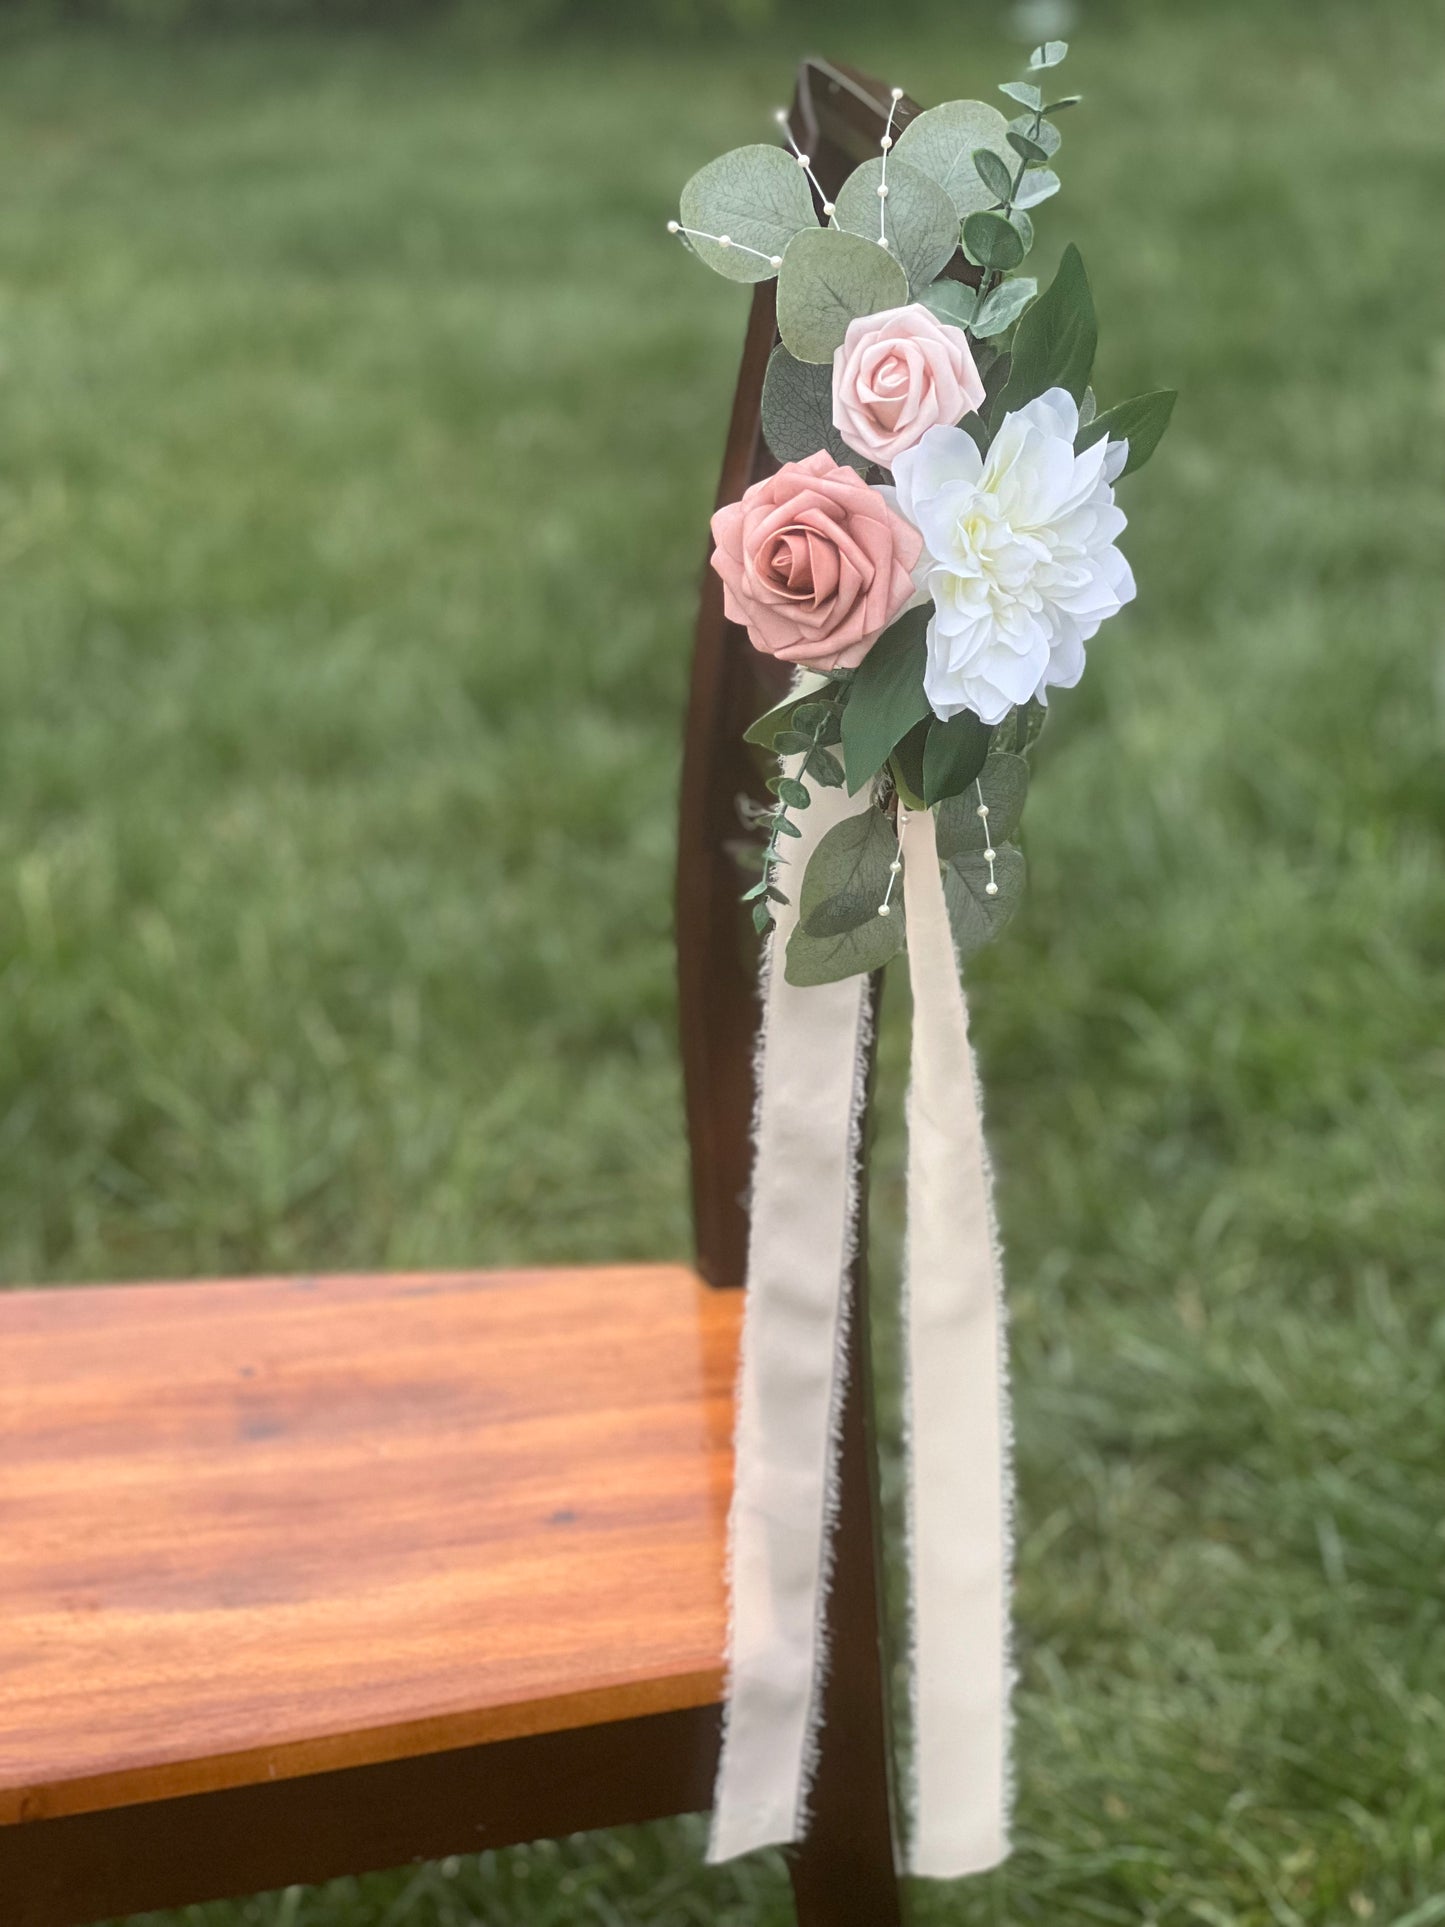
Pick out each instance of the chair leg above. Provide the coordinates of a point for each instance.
(845, 1873)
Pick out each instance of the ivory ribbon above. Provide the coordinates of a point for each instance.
(811, 1064)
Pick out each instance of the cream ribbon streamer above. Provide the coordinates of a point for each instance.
(959, 1470)
(811, 1078)
(811, 1057)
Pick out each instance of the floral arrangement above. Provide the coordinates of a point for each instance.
(939, 542)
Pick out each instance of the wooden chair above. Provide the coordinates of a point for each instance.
(309, 1576)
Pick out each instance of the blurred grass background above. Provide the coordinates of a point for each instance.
(358, 428)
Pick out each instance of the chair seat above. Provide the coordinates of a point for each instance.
(255, 1530)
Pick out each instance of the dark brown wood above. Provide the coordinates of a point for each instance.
(262, 1530)
(845, 1872)
(716, 952)
(67, 1873)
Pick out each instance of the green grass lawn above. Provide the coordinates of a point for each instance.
(358, 427)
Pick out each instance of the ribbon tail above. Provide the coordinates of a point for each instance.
(811, 1058)
(959, 1471)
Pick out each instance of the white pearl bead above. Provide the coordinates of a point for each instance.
(883, 190)
(982, 810)
(990, 889)
(886, 142)
(897, 93)
(803, 160)
(989, 855)
(775, 260)
(895, 867)
(724, 240)
(674, 227)
(883, 241)
(827, 207)
(884, 910)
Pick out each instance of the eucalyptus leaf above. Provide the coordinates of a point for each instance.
(789, 790)
(1023, 227)
(1038, 184)
(1002, 308)
(1023, 92)
(762, 918)
(812, 688)
(919, 219)
(791, 742)
(952, 301)
(798, 411)
(974, 916)
(954, 755)
(1141, 422)
(993, 171)
(1046, 137)
(992, 241)
(941, 143)
(839, 931)
(825, 769)
(829, 278)
(820, 722)
(1002, 784)
(1088, 408)
(1054, 343)
(1026, 148)
(759, 198)
(887, 697)
(1049, 55)
(1067, 100)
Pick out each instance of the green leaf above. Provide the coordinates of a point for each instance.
(762, 918)
(974, 916)
(829, 278)
(1058, 106)
(1046, 137)
(1027, 148)
(1024, 228)
(1054, 344)
(919, 219)
(887, 697)
(791, 742)
(813, 688)
(839, 931)
(821, 722)
(1002, 785)
(789, 790)
(1003, 307)
(781, 824)
(952, 301)
(1141, 422)
(993, 171)
(1021, 91)
(825, 769)
(906, 764)
(941, 143)
(1049, 55)
(757, 196)
(992, 241)
(798, 411)
(954, 755)
(1039, 184)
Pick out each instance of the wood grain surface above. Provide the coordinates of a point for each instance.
(255, 1530)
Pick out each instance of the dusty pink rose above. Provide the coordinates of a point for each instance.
(899, 373)
(814, 563)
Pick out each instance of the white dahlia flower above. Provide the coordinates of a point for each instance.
(1018, 554)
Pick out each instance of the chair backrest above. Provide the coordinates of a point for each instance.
(837, 118)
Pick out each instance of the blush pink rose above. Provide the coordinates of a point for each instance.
(897, 374)
(814, 563)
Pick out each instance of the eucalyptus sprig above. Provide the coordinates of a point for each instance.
(811, 725)
(996, 239)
